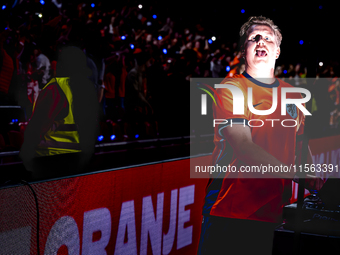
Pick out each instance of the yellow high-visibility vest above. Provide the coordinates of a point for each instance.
(63, 136)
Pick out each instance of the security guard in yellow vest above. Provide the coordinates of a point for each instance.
(60, 137)
(63, 136)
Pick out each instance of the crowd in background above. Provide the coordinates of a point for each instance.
(142, 61)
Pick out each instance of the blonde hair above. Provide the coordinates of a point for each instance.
(259, 20)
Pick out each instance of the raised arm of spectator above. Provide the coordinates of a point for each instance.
(206, 45)
(239, 137)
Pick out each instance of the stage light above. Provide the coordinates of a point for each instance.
(165, 51)
(136, 136)
(301, 42)
(93, 5)
(227, 68)
(242, 11)
(154, 16)
(123, 37)
(113, 137)
(4, 7)
(284, 71)
(14, 120)
(210, 41)
(320, 64)
(213, 38)
(132, 46)
(148, 23)
(100, 138)
(40, 15)
(42, 2)
(160, 38)
(140, 6)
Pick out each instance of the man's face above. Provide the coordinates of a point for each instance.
(260, 47)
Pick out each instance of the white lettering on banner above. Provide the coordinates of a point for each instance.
(16, 241)
(64, 232)
(335, 159)
(96, 220)
(186, 197)
(126, 222)
(152, 225)
(330, 157)
(169, 238)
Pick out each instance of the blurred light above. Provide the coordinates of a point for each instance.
(227, 68)
(165, 51)
(210, 41)
(140, 6)
(301, 42)
(123, 37)
(93, 5)
(14, 120)
(242, 11)
(284, 71)
(42, 2)
(132, 46)
(4, 7)
(113, 137)
(137, 135)
(148, 23)
(100, 138)
(160, 38)
(154, 16)
(6, 28)
(320, 64)
(213, 38)
(320, 7)
(40, 15)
